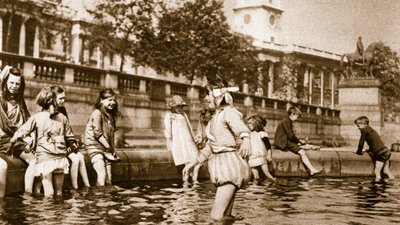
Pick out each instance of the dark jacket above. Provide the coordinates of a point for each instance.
(373, 140)
(285, 134)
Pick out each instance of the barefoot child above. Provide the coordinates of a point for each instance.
(228, 170)
(99, 135)
(179, 135)
(53, 133)
(379, 153)
(286, 139)
(261, 153)
(76, 158)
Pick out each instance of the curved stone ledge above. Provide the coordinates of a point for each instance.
(158, 165)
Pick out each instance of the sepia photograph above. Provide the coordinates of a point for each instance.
(217, 112)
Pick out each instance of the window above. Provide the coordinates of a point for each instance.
(247, 19)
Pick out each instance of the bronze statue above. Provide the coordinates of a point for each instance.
(366, 59)
(360, 48)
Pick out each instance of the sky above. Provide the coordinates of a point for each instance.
(335, 25)
(330, 25)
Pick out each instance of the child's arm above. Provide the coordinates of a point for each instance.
(27, 128)
(361, 143)
(267, 144)
(72, 143)
(168, 130)
(98, 129)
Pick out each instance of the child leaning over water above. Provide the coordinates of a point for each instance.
(261, 153)
(378, 152)
(53, 136)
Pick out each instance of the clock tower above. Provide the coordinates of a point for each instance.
(260, 19)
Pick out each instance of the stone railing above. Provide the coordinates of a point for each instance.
(143, 99)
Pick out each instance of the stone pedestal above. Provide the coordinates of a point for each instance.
(359, 97)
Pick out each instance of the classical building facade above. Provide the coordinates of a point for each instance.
(317, 71)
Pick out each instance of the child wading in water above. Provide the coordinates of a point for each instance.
(379, 153)
(99, 135)
(77, 158)
(180, 138)
(53, 136)
(261, 153)
(228, 170)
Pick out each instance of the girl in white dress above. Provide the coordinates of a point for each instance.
(261, 153)
(180, 138)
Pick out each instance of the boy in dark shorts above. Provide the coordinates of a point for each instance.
(379, 153)
(285, 139)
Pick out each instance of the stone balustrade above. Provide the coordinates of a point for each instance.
(143, 99)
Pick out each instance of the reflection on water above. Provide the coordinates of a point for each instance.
(289, 201)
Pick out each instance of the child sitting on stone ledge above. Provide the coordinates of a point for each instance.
(286, 139)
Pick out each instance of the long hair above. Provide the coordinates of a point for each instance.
(59, 90)
(106, 93)
(19, 97)
(259, 122)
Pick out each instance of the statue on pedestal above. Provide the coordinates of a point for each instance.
(364, 59)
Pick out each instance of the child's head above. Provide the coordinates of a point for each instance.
(46, 98)
(60, 95)
(107, 101)
(362, 122)
(12, 83)
(177, 104)
(256, 123)
(294, 113)
(206, 115)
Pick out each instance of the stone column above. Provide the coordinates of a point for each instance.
(321, 101)
(22, 38)
(310, 85)
(1, 34)
(332, 74)
(75, 42)
(36, 43)
(271, 80)
(359, 97)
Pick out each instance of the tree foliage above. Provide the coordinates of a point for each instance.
(124, 27)
(386, 68)
(194, 40)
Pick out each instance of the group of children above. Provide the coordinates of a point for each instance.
(48, 140)
(230, 168)
(185, 147)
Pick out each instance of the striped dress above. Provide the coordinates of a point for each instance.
(225, 165)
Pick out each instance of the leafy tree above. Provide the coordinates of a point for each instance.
(46, 15)
(386, 68)
(287, 83)
(123, 27)
(194, 40)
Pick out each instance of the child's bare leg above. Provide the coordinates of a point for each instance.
(228, 212)
(108, 174)
(58, 176)
(378, 169)
(387, 171)
(47, 182)
(3, 177)
(195, 174)
(99, 167)
(223, 198)
(37, 185)
(265, 169)
(256, 176)
(82, 170)
(30, 170)
(306, 162)
(73, 170)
